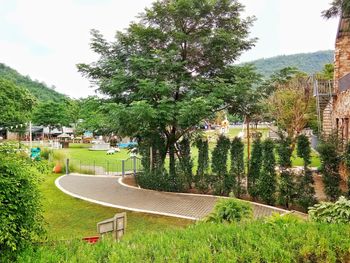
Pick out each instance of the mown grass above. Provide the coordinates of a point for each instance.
(71, 218)
(255, 241)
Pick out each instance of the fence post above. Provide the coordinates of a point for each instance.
(67, 166)
(123, 168)
(134, 164)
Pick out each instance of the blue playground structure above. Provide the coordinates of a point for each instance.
(35, 154)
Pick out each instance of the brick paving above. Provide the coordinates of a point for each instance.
(108, 191)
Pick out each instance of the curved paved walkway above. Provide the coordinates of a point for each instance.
(110, 191)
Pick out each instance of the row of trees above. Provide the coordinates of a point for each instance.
(226, 172)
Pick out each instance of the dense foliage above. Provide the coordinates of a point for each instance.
(254, 171)
(259, 241)
(202, 179)
(163, 73)
(38, 89)
(221, 184)
(338, 212)
(230, 211)
(310, 63)
(306, 191)
(20, 208)
(330, 161)
(347, 164)
(268, 181)
(16, 104)
(287, 188)
(237, 173)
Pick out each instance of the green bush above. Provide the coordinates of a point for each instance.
(287, 188)
(20, 208)
(219, 165)
(306, 192)
(185, 161)
(202, 175)
(330, 161)
(268, 182)
(338, 212)
(347, 164)
(257, 241)
(255, 168)
(229, 211)
(237, 173)
(159, 179)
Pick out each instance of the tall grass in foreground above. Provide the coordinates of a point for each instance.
(257, 241)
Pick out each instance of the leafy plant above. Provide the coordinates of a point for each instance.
(230, 211)
(306, 191)
(20, 208)
(330, 161)
(255, 168)
(219, 164)
(202, 177)
(338, 212)
(346, 158)
(268, 182)
(287, 189)
(186, 161)
(237, 173)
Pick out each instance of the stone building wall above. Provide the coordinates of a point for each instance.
(341, 59)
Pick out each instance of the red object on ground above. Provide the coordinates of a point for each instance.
(57, 169)
(91, 240)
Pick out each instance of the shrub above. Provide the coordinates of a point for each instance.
(219, 164)
(237, 174)
(338, 212)
(255, 168)
(287, 189)
(229, 211)
(268, 182)
(20, 208)
(185, 160)
(159, 179)
(306, 191)
(330, 161)
(202, 177)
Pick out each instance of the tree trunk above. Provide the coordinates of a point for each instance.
(172, 166)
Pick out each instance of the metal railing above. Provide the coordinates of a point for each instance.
(131, 165)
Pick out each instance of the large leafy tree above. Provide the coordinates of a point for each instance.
(51, 114)
(16, 104)
(162, 74)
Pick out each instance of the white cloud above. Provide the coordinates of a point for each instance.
(46, 39)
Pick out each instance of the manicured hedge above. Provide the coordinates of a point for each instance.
(257, 241)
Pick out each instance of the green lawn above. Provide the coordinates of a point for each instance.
(70, 218)
(85, 161)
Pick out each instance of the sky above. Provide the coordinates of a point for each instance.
(45, 39)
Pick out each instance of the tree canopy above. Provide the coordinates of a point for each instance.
(162, 75)
(16, 104)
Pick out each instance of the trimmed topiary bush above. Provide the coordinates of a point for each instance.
(268, 181)
(306, 192)
(330, 161)
(219, 165)
(229, 211)
(255, 168)
(237, 173)
(202, 179)
(338, 212)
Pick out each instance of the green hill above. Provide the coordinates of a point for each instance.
(39, 90)
(307, 62)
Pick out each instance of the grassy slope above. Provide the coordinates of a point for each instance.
(242, 242)
(69, 218)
